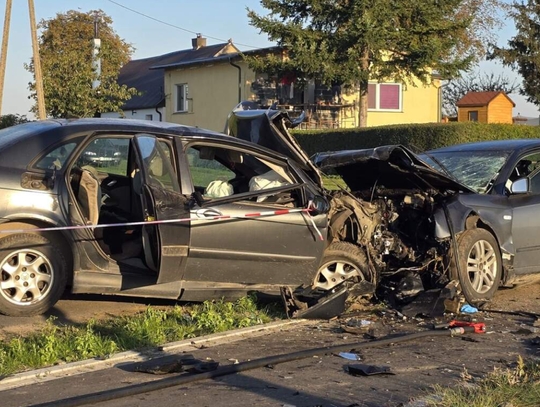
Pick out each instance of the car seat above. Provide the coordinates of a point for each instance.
(89, 194)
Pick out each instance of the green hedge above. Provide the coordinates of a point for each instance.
(417, 136)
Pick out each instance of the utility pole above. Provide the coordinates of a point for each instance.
(37, 62)
(5, 41)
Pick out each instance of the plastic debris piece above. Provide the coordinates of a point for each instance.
(349, 356)
(367, 370)
(468, 309)
(167, 365)
(203, 367)
(358, 322)
(173, 367)
(428, 303)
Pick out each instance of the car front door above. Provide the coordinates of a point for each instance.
(526, 215)
(165, 245)
(272, 250)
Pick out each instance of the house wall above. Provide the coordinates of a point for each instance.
(212, 93)
(499, 110)
(136, 114)
(420, 103)
(463, 113)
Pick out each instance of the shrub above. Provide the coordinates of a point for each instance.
(416, 136)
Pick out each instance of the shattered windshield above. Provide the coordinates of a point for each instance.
(475, 169)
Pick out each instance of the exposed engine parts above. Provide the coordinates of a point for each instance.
(395, 228)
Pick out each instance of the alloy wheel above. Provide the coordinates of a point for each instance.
(26, 277)
(482, 266)
(334, 273)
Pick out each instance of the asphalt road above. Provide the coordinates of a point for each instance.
(322, 381)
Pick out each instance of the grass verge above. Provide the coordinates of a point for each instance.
(517, 387)
(56, 344)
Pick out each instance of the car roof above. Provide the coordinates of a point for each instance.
(130, 124)
(17, 146)
(495, 145)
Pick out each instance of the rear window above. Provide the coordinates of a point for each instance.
(56, 159)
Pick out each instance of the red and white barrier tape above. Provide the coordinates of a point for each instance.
(161, 222)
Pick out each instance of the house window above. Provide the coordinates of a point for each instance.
(181, 97)
(149, 117)
(473, 116)
(384, 97)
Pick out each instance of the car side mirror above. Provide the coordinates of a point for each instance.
(520, 186)
(319, 205)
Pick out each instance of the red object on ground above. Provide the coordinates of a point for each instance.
(479, 327)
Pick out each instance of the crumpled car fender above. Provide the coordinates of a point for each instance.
(462, 206)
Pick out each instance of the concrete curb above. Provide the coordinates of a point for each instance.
(93, 365)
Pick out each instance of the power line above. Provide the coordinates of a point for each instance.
(175, 26)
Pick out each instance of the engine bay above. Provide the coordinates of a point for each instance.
(395, 227)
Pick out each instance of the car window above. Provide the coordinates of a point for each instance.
(56, 159)
(526, 167)
(158, 163)
(475, 169)
(106, 155)
(220, 172)
(534, 185)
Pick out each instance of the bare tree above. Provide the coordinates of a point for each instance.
(475, 82)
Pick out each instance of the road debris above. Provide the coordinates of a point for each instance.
(367, 370)
(468, 309)
(349, 356)
(184, 363)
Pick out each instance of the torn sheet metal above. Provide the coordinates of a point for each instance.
(327, 307)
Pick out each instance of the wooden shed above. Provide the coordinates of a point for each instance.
(485, 107)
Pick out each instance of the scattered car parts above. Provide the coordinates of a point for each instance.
(140, 388)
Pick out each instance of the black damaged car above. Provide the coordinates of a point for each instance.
(399, 217)
(466, 213)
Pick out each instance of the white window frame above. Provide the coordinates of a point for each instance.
(184, 88)
(378, 97)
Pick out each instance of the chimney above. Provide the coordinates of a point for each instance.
(198, 42)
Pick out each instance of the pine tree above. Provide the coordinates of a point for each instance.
(523, 52)
(353, 41)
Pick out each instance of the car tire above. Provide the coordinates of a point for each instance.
(33, 274)
(341, 261)
(480, 270)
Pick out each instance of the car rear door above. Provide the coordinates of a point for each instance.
(165, 245)
(273, 250)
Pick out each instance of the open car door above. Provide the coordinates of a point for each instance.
(165, 245)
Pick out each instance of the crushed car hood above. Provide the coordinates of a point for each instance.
(392, 166)
(269, 128)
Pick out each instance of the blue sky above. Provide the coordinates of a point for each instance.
(218, 18)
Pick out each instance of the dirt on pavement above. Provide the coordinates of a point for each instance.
(322, 380)
(78, 309)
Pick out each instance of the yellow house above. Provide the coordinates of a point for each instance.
(485, 107)
(200, 86)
